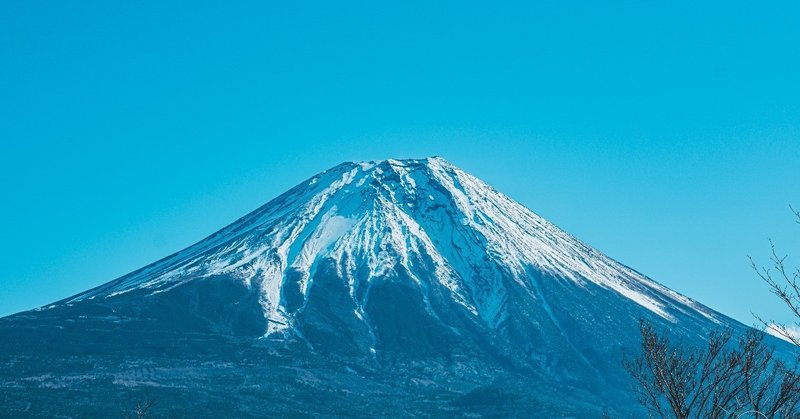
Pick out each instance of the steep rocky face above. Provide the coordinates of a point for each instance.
(397, 262)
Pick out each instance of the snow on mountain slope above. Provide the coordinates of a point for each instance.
(376, 219)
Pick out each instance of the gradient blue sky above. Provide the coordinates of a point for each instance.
(666, 134)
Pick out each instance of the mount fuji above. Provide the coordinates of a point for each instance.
(385, 288)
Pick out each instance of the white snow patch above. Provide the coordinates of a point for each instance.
(780, 332)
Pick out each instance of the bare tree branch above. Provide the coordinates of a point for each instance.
(720, 380)
(784, 282)
(140, 411)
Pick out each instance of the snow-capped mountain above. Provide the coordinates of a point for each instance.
(394, 267)
(437, 225)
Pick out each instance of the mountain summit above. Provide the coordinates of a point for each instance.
(401, 272)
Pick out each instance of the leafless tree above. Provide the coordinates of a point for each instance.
(770, 386)
(723, 379)
(720, 380)
(784, 282)
(141, 411)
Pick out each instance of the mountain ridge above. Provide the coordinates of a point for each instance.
(349, 173)
(405, 271)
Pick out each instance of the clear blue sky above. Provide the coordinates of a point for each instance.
(666, 134)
